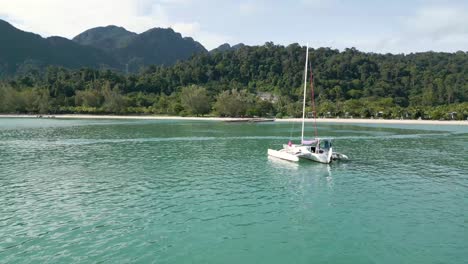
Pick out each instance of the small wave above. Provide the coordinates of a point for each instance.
(29, 143)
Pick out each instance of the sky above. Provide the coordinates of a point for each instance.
(381, 26)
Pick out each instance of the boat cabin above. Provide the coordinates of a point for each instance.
(318, 145)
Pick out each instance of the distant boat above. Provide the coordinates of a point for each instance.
(317, 149)
(250, 120)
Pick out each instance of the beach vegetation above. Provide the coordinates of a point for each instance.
(262, 80)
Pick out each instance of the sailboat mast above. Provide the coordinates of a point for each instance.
(305, 87)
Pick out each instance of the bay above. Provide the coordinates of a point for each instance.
(124, 191)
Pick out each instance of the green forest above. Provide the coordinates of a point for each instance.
(260, 81)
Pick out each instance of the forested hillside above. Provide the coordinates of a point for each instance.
(105, 38)
(347, 83)
(21, 51)
(157, 46)
(108, 47)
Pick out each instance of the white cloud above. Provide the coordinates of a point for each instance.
(209, 40)
(69, 18)
(213, 40)
(433, 24)
(436, 28)
(187, 29)
(176, 2)
(318, 3)
(438, 22)
(248, 8)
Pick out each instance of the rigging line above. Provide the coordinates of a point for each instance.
(291, 130)
(305, 88)
(313, 98)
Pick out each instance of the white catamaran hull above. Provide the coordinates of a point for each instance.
(284, 155)
(294, 152)
(281, 154)
(318, 157)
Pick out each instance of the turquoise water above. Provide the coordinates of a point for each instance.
(205, 192)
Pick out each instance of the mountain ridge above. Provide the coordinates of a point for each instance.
(226, 47)
(111, 47)
(160, 46)
(20, 47)
(108, 37)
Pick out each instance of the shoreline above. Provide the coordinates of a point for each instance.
(231, 119)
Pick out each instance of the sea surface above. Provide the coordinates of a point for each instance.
(149, 191)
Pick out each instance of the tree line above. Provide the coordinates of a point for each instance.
(228, 83)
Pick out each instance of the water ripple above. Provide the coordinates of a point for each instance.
(206, 192)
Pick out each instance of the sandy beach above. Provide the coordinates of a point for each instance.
(320, 120)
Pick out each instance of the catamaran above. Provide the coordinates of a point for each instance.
(317, 149)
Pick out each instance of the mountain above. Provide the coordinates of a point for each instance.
(19, 48)
(69, 54)
(227, 47)
(156, 46)
(101, 47)
(106, 38)
(159, 46)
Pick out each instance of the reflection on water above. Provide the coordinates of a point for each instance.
(282, 164)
